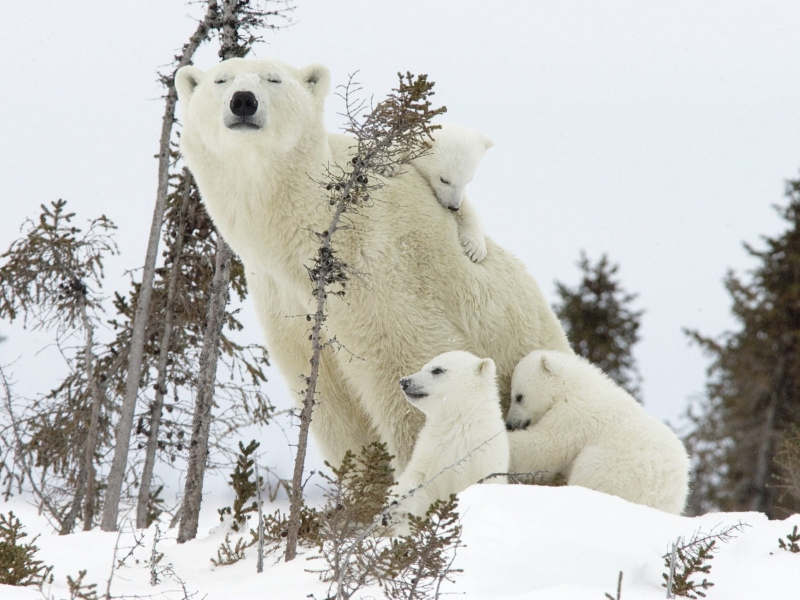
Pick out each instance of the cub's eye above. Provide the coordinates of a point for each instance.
(519, 398)
(274, 80)
(437, 371)
(444, 181)
(220, 80)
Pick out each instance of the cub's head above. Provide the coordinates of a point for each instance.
(243, 103)
(451, 162)
(452, 381)
(535, 386)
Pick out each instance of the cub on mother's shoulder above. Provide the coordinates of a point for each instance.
(449, 166)
(567, 417)
(463, 439)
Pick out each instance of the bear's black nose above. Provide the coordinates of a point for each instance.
(244, 104)
(405, 382)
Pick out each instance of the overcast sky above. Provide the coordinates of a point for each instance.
(660, 133)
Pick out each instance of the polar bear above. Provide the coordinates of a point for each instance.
(567, 417)
(464, 438)
(449, 165)
(254, 138)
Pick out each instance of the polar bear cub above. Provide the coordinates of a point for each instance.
(449, 165)
(463, 439)
(567, 417)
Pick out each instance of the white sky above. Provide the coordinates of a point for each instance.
(660, 133)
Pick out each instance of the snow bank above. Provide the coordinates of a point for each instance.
(522, 543)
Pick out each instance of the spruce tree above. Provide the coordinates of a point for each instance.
(753, 393)
(599, 321)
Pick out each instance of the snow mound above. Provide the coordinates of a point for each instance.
(522, 543)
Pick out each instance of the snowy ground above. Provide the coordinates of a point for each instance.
(522, 543)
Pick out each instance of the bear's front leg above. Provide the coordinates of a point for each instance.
(338, 422)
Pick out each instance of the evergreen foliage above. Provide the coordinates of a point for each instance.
(79, 590)
(276, 526)
(599, 321)
(155, 506)
(354, 540)
(692, 559)
(52, 276)
(787, 461)
(227, 554)
(244, 487)
(790, 545)
(415, 565)
(690, 563)
(18, 564)
(53, 272)
(753, 393)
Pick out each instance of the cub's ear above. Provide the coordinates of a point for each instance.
(486, 368)
(318, 80)
(548, 366)
(186, 79)
(487, 142)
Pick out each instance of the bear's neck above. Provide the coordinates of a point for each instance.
(266, 204)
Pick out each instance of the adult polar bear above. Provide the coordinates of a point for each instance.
(255, 140)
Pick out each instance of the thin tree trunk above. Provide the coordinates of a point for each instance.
(201, 421)
(94, 426)
(759, 501)
(123, 432)
(296, 500)
(85, 489)
(143, 502)
(218, 298)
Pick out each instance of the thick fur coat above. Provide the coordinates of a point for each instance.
(567, 417)
(418, 294)
(463, 439)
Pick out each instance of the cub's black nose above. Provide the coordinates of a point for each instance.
(244, 104)
(405, 382)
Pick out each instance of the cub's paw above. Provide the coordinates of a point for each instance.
(474, 246)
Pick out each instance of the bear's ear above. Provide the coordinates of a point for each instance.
(487, 142)
(548, 366)
(486, 367)
(186, 79)
(317, 78)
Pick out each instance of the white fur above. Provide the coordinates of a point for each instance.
(448, 166)
(418, 295)
(463, 429)
(581, 424)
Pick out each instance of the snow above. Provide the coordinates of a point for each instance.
(522, 543)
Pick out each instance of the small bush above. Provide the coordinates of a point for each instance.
(80, 591)
(244, 487)
(354, 540)
(787, 478)
(276, 527)
(693, 559)
(227, 554)
(18, 565)
(792, 545)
